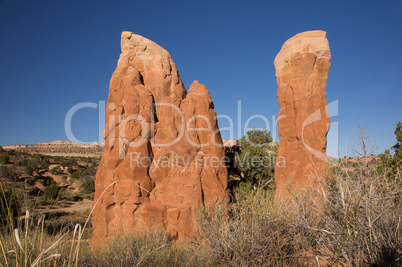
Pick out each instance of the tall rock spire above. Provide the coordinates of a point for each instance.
(302, 70)
(163, 156)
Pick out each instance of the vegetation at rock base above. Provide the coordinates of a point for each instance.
(256, 160)
(358, 224)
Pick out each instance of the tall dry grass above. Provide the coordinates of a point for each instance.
(357, 223)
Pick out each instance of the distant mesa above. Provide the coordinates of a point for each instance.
(156, 169)
(61, 148)
(302, 70)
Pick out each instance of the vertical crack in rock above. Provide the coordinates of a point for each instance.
(154, 130)
(302, 66)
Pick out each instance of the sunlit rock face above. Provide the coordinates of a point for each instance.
(163, 156)
(302, 70)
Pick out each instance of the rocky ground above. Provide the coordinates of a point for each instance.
(59, 187)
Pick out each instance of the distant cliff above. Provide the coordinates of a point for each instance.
(61, 148)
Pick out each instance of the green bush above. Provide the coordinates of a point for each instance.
(257, 159)
(44, 165)
(69, 162)
(389, 164)
(48, 181)
(88, 187)
(88, 174)
(23, 162)
(51, 191)
(76, 175)
(4, 158)
(32, 167)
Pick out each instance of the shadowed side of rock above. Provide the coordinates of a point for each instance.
(302, 70)
(154, 171)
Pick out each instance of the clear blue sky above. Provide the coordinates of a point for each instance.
(55, 54)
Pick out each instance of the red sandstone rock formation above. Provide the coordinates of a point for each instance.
(302, 70)
(163, 155)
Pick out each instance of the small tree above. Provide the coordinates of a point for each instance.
(32, 167)
(23, 162)
(48, 181)
(51, 191)
(4, 158)
(45, 165)
(75, 175)
(390, 165)
(398, 135)
(88, 187)
(257, 159)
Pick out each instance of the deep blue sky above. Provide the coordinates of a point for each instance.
(55, 54)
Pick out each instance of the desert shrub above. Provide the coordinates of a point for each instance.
(76, 175)
(257, 159)
(51, 191)
(32, 167)
(44, 165)
(398, 135)
(88, 174)
(361, 216)
(230, 153)
(9, 173)
(38, 156)
(361, 222)
(88, 187)
(48, 181)
(56, 170)
(23, 162)
(69, 162)
(4, 158)
(357, 222)
(1, 149)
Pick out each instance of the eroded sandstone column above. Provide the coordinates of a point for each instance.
(163, 156)
(302, 70)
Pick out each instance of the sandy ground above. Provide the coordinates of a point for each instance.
(77, 206)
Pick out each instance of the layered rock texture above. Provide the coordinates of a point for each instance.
(302, 70)
(163, 157)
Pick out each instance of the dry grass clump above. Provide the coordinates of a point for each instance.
(255, 231)
(362, 218)
(152, 249)
(357, 223)
(30, 245)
